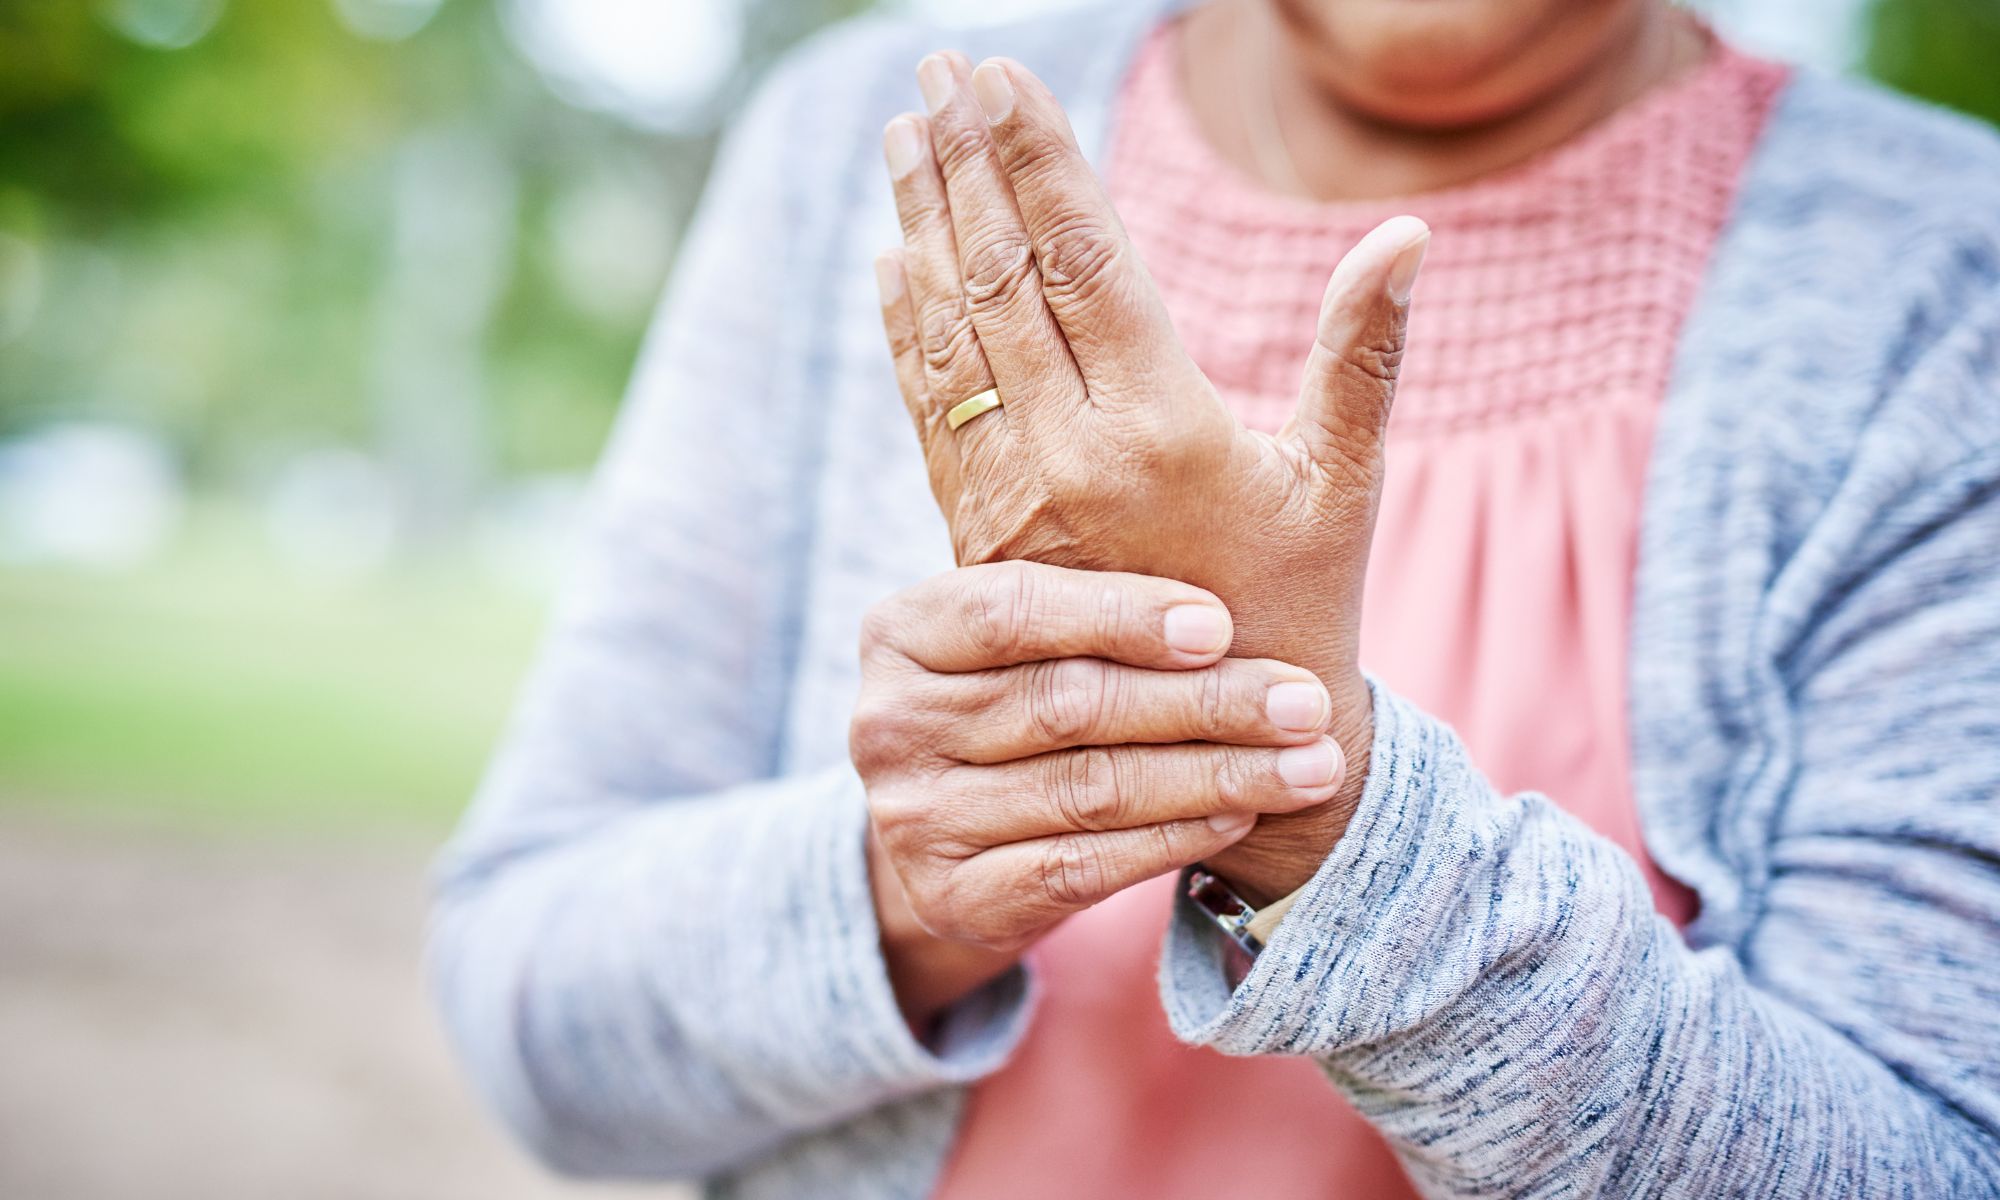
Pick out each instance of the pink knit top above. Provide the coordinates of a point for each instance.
(1542, 337)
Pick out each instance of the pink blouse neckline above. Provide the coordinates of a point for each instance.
(1161, 86)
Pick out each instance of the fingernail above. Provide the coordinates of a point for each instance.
(1313, 766)
(903, 146)
(1231, 824)
(1403, 271)
(888, 278)
(1300, 707)
(1197, 629)
(994, 91)
(934, 81)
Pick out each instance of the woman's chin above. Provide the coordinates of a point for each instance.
(1445, 64)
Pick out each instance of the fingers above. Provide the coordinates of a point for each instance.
(1008, 895)
(1003, 614)
(1109, 311)
(1031, 709)
(1002, 285)
(1350, 380)
(954, 365)
(1099, 789)
(899, 324)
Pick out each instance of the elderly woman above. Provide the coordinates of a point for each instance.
(1656, 851)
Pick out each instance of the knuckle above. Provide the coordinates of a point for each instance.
(997, 268)
(1036, 157)
(1000, 610)
(1085, 789)
(1079, 258)
(1377, 360)
(1067, 700)
(957, 142)
(878, 735)
(946, 336)
(902, 338)
(1212, 694)
(879, 628)
(1236, 774)
(920, 206)
(897, 814)
(1074, 872)
(1116, 611)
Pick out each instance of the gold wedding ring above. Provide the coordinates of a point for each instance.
(965, 410)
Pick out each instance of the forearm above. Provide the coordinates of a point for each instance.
(687, 986)
(1489, 984)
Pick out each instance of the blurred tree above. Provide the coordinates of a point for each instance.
(252, 226)
(1947, 51)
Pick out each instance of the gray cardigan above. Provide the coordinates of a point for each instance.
(653, 941)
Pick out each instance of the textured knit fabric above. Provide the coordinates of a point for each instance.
(653, 939)
(1508, 535)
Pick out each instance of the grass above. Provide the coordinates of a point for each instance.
(215, 690)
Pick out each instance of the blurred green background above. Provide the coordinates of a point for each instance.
(313, 315)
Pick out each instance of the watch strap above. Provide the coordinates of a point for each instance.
(1264, 926)
(1250, 928)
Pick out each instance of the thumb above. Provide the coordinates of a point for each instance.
(1351, 374)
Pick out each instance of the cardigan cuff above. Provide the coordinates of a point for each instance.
(1359, 933)
(799, 1004)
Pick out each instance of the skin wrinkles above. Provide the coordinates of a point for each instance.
(1032, 741)
(1114, 453)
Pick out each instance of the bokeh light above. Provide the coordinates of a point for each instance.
(656, 62)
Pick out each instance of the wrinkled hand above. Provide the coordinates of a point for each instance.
(1035, 739)
(1114, 452)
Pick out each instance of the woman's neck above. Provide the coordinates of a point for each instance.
(1263, 110)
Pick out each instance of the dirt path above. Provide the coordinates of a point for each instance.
(182, 1017)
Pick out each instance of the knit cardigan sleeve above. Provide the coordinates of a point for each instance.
(1487, 980)
(654, 947)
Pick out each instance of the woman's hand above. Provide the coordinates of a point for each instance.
(1035, 739)
(1113, 451)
